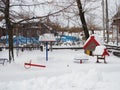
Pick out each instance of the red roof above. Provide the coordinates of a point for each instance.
(91, 39)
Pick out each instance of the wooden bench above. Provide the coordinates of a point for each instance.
(3, 60)
(99, 57)
(101, 53)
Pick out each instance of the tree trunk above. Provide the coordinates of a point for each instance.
(82, 18)
(9, 30)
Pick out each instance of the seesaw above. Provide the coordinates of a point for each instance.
(28, 65)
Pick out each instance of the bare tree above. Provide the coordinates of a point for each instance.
(8, 17)
(82, 17)
(5, 9)
(79, 9)
(18, 11)
(13, 17)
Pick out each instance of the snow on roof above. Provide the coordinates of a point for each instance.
(47, 37)
(99, 50)
(97, 39)
(91, 38)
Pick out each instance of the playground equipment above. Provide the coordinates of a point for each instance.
(90, 45)
(65, 38)
(101, 52)
(20, 40)
(81, 58)
(28, 65)
(46, 38)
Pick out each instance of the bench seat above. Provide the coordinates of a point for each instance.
(3, 60)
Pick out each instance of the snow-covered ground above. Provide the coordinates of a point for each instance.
(61, 72)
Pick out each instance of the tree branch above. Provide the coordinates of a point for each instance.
(3, 1)
(50, 14)
(24, 5)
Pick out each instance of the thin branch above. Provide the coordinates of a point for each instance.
(1, 10)
(50, 14)
(3, 1)
(91, 9)
(1, 7)
(24, 5)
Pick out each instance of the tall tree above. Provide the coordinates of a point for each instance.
(82, 17)
(5, 9)
(12, 17)
(18, 11)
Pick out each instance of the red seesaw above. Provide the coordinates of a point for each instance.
(28, 65)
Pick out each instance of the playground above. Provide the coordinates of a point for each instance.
(61, 72)
(60, 69)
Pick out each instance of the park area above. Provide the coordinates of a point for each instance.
(61, 71)
(59, 44)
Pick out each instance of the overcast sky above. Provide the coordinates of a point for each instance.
(112, 6)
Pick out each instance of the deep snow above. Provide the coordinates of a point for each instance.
(61, 72)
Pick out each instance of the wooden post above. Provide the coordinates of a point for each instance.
(80, 61)
(97, 59)
(105, 60)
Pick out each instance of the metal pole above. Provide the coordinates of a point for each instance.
(46, 51)
(117, 33)
(107, 21)
(103, 10)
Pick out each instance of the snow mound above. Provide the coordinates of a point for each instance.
(70, 81)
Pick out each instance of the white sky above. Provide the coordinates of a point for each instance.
(45, 9)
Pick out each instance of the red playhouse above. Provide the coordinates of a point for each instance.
(90, 45)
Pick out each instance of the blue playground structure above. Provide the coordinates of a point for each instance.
(66, 38)
(25, 40)
(20, 40)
